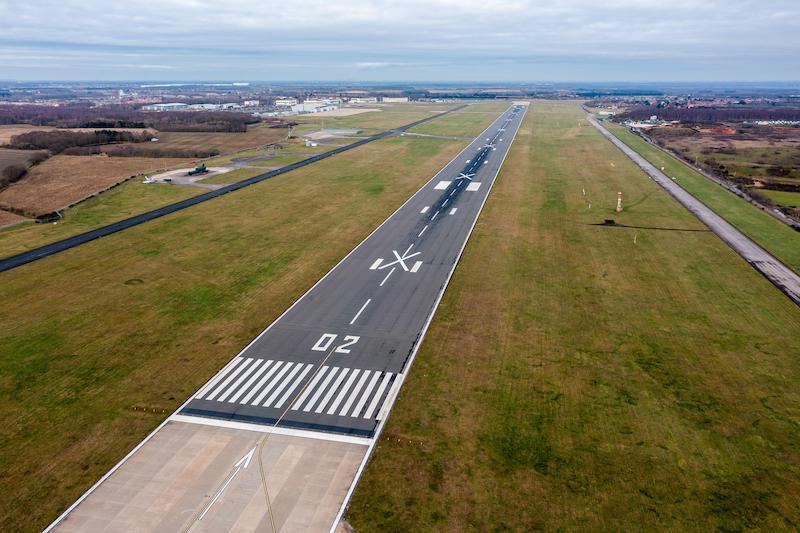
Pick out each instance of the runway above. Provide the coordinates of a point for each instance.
(319, 382)
(768, 265)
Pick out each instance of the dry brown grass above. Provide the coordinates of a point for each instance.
(9, 130)
(63, 180)
(9, 219)
(256, 135)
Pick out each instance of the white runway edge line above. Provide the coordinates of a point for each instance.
(179, 418)
(401, 377)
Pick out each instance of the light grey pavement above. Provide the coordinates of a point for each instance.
(277, 440)
(773, 269)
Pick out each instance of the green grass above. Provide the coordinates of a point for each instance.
(587, 378)
(101, 342)
(468, 122)
(785, 198)
(128, 199)
(233, 176)
(775, 236)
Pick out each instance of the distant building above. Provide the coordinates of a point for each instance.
(364, 100)
(286, 102)
(251, 103)
(395, 99)
(175, 106)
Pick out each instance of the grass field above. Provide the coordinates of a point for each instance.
(775, 236)
(389, 116)
(468, 121)
(64, 179)
(130, 198)
(101, 342)
(787, 198)
(585, 378)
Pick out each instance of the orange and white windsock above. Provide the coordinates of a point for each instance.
(619, 202)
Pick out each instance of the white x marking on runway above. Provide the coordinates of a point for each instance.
(400, 259)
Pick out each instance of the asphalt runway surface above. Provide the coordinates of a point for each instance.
(335, 360)
(47, 250)
(773, 269)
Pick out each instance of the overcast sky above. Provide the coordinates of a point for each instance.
(422, 40)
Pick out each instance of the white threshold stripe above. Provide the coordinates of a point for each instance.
(299, 401)
(354, 393)
(297, 382)
(321, 389)
(231, 424)
(378, 395)
(239, 381)
(272, 383)
(282, 384)
(221, 374)
(230, 378)
(263, 380)
(365, 395)
(250, 381)
(344, 390)
(332, 390)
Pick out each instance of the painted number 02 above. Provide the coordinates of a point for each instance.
(327, 340)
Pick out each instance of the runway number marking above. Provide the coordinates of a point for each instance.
(327, 340)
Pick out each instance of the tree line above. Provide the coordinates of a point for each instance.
(124, 117)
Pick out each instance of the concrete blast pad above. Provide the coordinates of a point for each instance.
(171, 481)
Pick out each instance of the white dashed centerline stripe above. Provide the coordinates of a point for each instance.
(434, 215)
(360, 311)
(423, 231)
(387, 276)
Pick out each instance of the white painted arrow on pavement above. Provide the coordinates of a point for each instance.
(244, 462)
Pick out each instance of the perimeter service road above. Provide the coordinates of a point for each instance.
(277, 439)
(774, 270)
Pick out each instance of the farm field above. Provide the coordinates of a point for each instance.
(150, 313)
(580, 377)
(776, 237)
(787, 198)
(10, 157)
(62, 180)
(9, 130)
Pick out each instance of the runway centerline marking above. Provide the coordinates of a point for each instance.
(361, 310)
(387, 276)
(423, 231)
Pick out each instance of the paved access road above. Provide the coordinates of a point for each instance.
(335, 360)
(774, 270)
